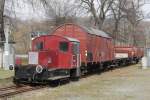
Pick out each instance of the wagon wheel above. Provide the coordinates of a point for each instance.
(54, 83)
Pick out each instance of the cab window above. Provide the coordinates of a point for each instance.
(63, 46)
(39, 46)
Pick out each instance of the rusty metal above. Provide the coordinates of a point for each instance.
(14, 90)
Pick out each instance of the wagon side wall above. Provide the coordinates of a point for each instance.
(93, 48)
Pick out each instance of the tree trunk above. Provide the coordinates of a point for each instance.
(100, 23)
(2, 35)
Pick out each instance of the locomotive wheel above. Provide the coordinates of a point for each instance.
(137, 61)
(16, 82)
(75, 79)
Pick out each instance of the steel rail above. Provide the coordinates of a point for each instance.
(14, 90)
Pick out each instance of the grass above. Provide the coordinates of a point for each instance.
(5, 73)
(6, 77)
(120, 84)
(6, 82)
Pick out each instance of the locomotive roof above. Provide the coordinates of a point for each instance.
(72, 39)
(68, 38)
(94, 31)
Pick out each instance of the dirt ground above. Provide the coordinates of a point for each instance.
(129, 83)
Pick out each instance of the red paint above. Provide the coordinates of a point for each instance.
(95, 46)
(18, 61)
(131, 50)
(50, 56)
(100, 47)
(139, 52)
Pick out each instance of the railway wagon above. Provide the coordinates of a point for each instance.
(128, 54)
(96, 46)
(70, 50)
(139, 52)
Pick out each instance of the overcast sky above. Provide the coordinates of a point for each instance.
(146, 11)
(25, 11)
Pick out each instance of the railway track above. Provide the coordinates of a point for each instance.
(13, 90)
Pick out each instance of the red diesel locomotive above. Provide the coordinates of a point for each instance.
(71, 51)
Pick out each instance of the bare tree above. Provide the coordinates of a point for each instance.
(128, 13)
(134, 12)
(3, 16)
(98, 8)
(118, 14)
(2, 36)
(60, 11)
(134, 16)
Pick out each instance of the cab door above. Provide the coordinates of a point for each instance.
(75, 54)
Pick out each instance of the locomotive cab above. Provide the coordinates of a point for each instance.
(52, 58)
